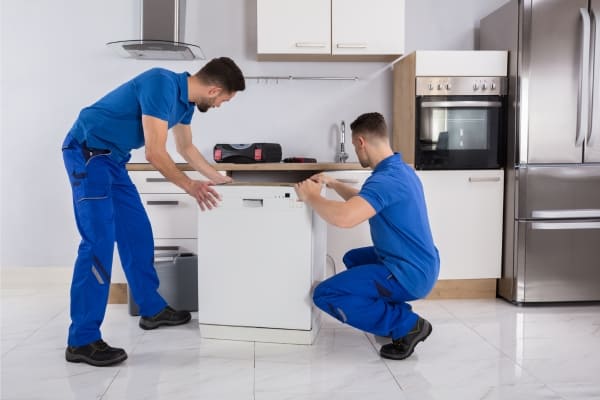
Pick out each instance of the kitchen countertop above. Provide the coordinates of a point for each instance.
(259, 167)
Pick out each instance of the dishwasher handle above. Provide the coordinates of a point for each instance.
(252, 203)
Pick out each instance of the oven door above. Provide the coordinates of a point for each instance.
(459, 132)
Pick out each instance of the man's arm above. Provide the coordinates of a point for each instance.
(345, 191)
(344, 214)
(187, 149)
(155, 137)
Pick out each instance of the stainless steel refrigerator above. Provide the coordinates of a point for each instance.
(552, 194)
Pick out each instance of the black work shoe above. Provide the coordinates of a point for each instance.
(403, 347)
(98, 354)
(167, 316)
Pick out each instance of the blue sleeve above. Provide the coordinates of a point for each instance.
(154, 96)
(380, 192)
(187, 118)
(370, 191)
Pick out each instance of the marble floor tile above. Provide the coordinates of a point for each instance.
(577, 391)
(479, 349)
(181, 374)
(324, 378)
(480, 392)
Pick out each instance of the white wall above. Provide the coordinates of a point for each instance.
(54, 62)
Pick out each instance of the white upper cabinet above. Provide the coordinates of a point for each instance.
(330, 27)
(367, 26)
(294, 26)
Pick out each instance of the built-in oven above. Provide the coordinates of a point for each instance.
(460, 122)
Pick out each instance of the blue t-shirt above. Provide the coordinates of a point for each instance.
(115, 121)
(400, 230)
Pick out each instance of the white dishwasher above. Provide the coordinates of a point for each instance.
(259, 254)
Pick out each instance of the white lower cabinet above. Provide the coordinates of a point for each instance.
(465, 213)
(172, 213)
(340, 240)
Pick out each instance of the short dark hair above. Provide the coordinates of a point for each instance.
(371, 124)
(222, 72)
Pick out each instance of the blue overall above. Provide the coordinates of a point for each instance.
(402, 265)
(107, 206)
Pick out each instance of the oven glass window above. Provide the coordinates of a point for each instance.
(461, 132)
(454, 129)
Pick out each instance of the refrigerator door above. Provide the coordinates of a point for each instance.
(550, 78)
(592, 144)
(559, 261)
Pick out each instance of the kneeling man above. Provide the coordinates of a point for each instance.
(403, 263)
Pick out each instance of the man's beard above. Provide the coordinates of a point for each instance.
(203, 106)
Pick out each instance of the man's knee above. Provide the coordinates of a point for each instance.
(348, 259)
(325, 298)
(319, 294)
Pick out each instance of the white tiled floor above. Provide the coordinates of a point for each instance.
(479, 349)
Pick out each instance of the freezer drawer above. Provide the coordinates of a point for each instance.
(558, 192)
(559, 261)
(260, 252)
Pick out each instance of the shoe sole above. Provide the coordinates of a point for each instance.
(422, 338)
(149, 325)
(79, 358)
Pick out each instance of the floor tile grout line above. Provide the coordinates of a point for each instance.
(110, 384)
(254, 372)
(384, 362)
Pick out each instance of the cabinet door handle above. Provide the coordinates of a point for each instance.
(309, 44)
(164, 248)
(157, 180)
(351, 45)
(162, 202)
(484, 179)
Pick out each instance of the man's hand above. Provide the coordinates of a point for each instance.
(220, 179)
(205, 195)
(322, 178)
(307, 189)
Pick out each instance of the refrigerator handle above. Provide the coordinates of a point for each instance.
(583, 101)
(564, 225)
(595, 67)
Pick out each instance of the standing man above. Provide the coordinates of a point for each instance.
(402, 265)
(107, 205)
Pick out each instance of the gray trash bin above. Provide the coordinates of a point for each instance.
(178, 283)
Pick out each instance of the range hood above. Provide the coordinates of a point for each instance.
(162, 27)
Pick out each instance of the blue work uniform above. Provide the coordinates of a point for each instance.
(402, 265)
(107, 205)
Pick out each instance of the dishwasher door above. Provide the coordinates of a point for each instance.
(255, 258)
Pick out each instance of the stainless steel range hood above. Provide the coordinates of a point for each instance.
(162, 26)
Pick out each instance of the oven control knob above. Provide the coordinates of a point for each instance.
(492, 86)
(439, 86)
(448, 86)
(430, 86)
(483, 86)
(475, 86)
